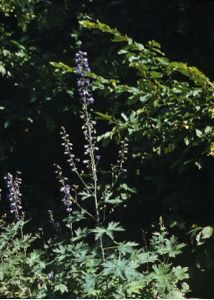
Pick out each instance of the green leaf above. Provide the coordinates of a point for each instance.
(126, 247)
(114, 226)
(116, 200)
(120, 268)
(145, 98)
(85, 195)
(89, 283)
(180, 273)
(174, 295)
(172, 246)
(76, 216)
(99, 232)
(80, 233)
(208, 129)
(34, 257)
(135, 287)
(118, 37)
(59, 66)
(204, 234)
(102, 116)
(207, 232)
(198, 132)
(109, 231)
(61, 288)
(186, 141)
(124, 117)
(70, 93)
(147, 257)
(2, 70)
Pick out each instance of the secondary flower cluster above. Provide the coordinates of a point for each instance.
(14, 195)
(83, 82)
(68, 149)
(118, 168)
(67, 199)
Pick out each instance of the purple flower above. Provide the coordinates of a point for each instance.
(51, 275)
(66, 189)
(83, 82)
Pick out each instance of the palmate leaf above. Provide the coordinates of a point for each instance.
(61, 288)
(147, 257)
(80, 233)
(166, 279)
(115, 200)
(126, 247)
(172, 246)
(162, 277)
(121, 268)
(109, 231)
(75, 217)
(114, 226)
(99, 232)
(89, 284)
(135, 287)
(85, 195)
(160, 271)
(180, 273)
(35, 258)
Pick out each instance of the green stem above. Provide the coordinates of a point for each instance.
(94, 173)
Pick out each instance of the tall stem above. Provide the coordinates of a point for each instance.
(84, 87)
(94, 172)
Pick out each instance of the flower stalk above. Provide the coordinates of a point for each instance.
(84, 88)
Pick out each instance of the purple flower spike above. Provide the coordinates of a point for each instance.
(14, 194)
(67, 199)
(83, 82)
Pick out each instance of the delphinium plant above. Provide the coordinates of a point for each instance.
(21, 265)
(93, 263)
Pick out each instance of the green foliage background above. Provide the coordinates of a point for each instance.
(167, 107)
